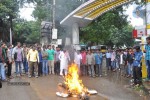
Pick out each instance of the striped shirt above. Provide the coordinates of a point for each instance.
(147, 48)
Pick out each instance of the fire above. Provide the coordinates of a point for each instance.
(73, 82)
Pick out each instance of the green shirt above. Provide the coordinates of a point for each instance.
(50, 54)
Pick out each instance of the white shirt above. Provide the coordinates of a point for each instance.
(78, 58)
(108, 55)
(121, 59)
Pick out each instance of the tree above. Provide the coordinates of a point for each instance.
(26, 31)
(8, 11)
(43, 12)
(112, 28)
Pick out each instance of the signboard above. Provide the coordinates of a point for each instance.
(54, 42)
(139, 32)
(148, 13)
(139, 12)
(54, 33)
(59, 41)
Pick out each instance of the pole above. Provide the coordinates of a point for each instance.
(54, 4)
(147, 23)
(54, 25)
(148, 16)
(10, 36)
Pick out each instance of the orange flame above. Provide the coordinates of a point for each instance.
(75, 85)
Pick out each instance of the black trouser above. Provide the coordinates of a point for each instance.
(108, 63)
(0, 83)
(57, 67)
(39, 68)
(9, 65)
(84, 69)
(137, 75)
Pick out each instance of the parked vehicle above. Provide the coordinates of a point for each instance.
(102, 48)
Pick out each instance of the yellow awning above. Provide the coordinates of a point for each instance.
(103, 9)
(90, 7)
(98, 7)
(90, 10)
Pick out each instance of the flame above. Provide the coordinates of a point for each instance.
(73, 82)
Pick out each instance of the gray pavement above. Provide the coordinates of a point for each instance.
(44, 88)
(109, 87)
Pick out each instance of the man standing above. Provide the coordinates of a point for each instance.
(77, 60)
(64, 60)
(40, 62)
(44, 61)
(130, 63)
(90, 60)
(137, 73)
(33, 59)
(83, 63)
(121, 61)
(2, 62)
(113, 60)
(51, 53)
(147, 56)
(18, 58)
(108, 60)
(57, 61)
(9, 62)
(25, 64)
(98, 62)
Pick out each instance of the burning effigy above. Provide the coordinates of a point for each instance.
(73, 86)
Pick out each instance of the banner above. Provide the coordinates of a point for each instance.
(139, 33)
(59, 41)
(54, 33)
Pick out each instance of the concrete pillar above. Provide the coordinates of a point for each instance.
(144, 69)
(75, 34)
(68, 41)
(148, 16)
(44, 40)
(68, 36)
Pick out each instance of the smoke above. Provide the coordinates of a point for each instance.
(63, 8)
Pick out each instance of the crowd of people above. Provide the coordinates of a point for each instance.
(36, 60)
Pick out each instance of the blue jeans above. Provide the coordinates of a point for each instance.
(130, 69)
(113, 64)
(45, 66)
(148, 69)
(2, 71)
(91, 70)
(25, 65)
(18, 64)
(98, 69)
(108, 63)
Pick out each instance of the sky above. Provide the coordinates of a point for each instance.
(26, 13)
(134, 21)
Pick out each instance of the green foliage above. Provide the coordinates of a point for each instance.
(9, 8)
(8, 11)
(111, 29)
(43, 11)
(25, 31)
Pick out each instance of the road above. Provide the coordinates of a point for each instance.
(110, 87)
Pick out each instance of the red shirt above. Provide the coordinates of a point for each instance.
(83, 57)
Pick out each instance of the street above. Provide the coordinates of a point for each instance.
(111, 87)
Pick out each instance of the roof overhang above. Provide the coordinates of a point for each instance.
(90, 10)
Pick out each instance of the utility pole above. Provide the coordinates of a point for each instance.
(10, 36)
(54, 30)
(143, 38)
(148, 16)
(54, 5)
